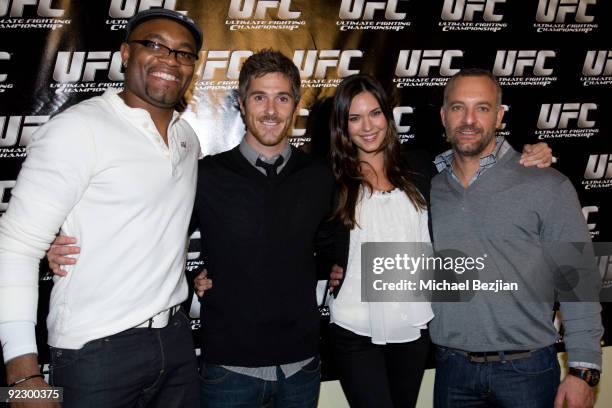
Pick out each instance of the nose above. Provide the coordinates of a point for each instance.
(470, 116)
(366, 124)
(169, 58)
(270, 107)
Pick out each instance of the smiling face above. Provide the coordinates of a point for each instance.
(268, 109)
(367, 125)
(470, 115)
(157, 81)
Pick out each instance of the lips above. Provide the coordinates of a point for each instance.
(166, 76)
(269, 120)
(468, 130)
(369, 138)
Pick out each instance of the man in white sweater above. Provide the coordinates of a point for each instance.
(119, 172)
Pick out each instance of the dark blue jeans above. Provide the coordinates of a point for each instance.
(134, 368)
(221, 388)
(529, 382)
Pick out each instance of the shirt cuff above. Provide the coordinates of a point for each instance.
(582, 364)
(17, 338)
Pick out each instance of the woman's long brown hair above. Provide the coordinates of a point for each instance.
(344, 158)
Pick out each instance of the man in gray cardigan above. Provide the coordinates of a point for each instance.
(495, 349)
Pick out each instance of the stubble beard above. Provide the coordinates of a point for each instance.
(475, 148)
(162, 98)
(264, 138)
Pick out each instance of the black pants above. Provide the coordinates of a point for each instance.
(382, 376)
(153, 368)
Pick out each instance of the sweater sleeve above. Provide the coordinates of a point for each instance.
(332, 239)
(59, 165)
(565, 228)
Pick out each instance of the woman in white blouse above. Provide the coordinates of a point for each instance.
(380, 347)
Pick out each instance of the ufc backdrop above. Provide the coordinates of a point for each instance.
(553, 58)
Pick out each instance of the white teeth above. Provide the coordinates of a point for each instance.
(165, 76)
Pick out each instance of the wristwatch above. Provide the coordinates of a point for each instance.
(589, 375)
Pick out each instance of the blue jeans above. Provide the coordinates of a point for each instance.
(222, 388)
(134, 368)
(528, 382)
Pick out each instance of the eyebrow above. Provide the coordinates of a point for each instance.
(163, 39)
(259, 92)
(373, 110)
(463, 103)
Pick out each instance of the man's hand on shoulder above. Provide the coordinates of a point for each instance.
(539, 155)
(575, 392)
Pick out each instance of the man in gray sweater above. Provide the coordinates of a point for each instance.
(496, 348)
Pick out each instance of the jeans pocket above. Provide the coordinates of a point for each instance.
(213, 373)
(443, 354)
(540, 362)
(62, 358)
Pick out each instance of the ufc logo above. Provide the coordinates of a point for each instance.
(597, 63)
(297, 132)
(194, 312)
(465, 10)
(128, 8)
(605, 266)
(513, 63)
(361, 9)
(245, 9)
(76, 66)
(193, 251)
(399, 114)
(558, 115)
(5, 193)
(18, 130)
(4, 56)
(229, 61)
(588, 210)
(15, 8)
(599, 167)
(502, 125)
(313, 62)
(556, 10)
(418, 62)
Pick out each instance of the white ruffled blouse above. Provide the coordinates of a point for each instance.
(381, 217)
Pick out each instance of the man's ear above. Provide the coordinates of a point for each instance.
(500, 116)
(241, 105)
(296, 110)
(125, 53)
